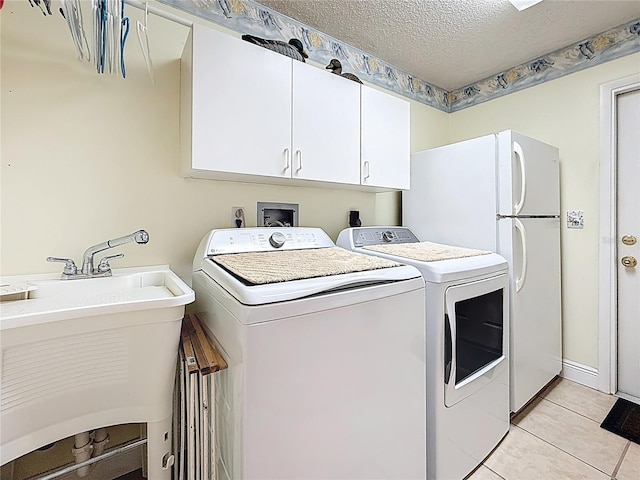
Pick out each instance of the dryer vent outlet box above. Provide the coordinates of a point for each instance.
(277, 214)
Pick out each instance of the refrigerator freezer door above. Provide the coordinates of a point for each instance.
(536, 325)
(453, 194)
(528, 176)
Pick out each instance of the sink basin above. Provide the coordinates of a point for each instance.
(129, 289)
(81, 354)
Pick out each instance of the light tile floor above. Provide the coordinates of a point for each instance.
(558, 437)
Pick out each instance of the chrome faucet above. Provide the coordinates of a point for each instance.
(103, 269)
(141, 236)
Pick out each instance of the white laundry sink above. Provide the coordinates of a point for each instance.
(81, 354)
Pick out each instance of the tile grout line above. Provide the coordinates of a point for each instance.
(599, 423)
(562, 450)
(493, 471)
(620, 460)
(559, 405)
(571, 410)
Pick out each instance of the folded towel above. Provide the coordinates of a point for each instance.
(426, 251)
(286, 265)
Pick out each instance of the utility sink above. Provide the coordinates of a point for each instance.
(87, 353)
(128, 289)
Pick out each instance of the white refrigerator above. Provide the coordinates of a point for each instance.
(501, 193)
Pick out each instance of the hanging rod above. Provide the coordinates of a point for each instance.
(159, 12)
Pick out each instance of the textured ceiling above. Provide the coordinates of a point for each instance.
(453, 43)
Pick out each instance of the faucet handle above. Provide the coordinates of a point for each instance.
(104, 266)
(69, 265)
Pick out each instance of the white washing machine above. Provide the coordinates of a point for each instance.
(326, 355)
(467, 344)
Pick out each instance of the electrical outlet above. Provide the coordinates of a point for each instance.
(354, 218)
(575, 219)
(237, 217)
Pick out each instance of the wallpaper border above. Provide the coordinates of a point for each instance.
(247, 16)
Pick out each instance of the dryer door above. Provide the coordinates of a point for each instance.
(476, 333)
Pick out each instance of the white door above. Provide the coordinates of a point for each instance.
(326, 126)
(385, 140)
(628, 246)
(529, 176)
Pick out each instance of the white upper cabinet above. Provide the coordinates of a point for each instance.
(326, 126)
(253, 115)
(385, 140)
(236, 107)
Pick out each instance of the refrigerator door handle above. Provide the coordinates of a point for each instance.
(517, 149)
(523, 241)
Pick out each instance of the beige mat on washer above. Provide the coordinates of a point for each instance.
(427, 251)
(286, 265)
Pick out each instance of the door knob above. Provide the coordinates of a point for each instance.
(629, 240)
(629, 261)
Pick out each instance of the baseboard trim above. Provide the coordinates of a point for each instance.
(582, 374)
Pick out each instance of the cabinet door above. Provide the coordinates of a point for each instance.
(326, 126)
(385, 140)
(241, 106)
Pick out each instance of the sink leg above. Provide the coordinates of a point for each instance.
(159, 456)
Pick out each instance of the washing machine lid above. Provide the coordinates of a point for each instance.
(437, 262)
(257, 268)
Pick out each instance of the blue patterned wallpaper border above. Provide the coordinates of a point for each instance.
(246, 16)
(609, 45)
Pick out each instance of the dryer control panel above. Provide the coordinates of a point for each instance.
(364, 236)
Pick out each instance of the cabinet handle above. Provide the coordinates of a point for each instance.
(299, 155)
(366, 165)
(287, 157)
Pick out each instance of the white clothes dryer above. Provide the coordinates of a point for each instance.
(466, 294)
(326, 357)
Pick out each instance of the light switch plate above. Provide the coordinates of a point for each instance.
(575, 219)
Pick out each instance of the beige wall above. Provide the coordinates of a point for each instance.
(566, 113)
(88, 157)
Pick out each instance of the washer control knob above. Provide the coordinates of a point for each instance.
(277, 239)
(388, 236)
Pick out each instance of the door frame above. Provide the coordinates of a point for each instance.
(608, 283)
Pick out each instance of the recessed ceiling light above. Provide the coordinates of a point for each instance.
(522, 4)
